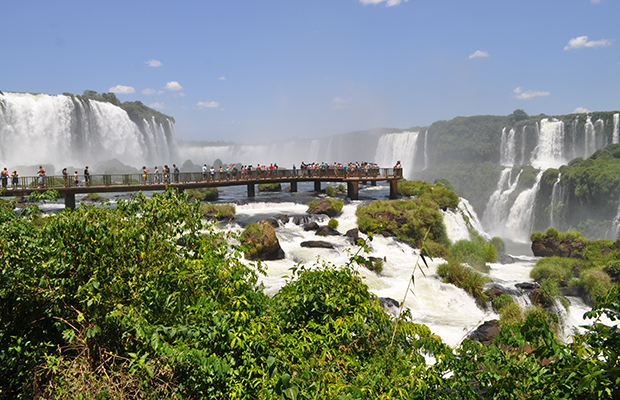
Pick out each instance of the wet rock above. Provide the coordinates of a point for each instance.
(283, 218)
(323, 207)
(526, 285)
(353, 235)
(273, 222)
(311, 226)
(263, 245)
(549, 246)
(504, 258)
(317, 244)
(486, 332)
(326, 231)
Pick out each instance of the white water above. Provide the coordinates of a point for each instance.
(616, 135)
(395, 147)
(59, 130)
(520, 217)
(496, 213)
(550, 150)
(507, 148)
(556, 197)
(426, 162)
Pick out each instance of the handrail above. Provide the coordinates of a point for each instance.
(106, 180)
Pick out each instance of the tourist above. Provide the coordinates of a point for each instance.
(166, 171)
(156, 175)
(145, 173)
(86, 176)
(176, 172)
(204, 172)
(75, 179)
(41, 174)
(15, 179)
(212, 172)
(5, 178)
(64, 177)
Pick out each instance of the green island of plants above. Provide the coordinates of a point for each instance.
(103, 303)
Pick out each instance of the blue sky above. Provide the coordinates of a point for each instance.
(255, 71)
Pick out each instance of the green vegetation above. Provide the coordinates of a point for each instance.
(93, 197)
(135, 109)
(330, 191)
(441, 195)
(203, 194)
(218, 211)
(333, 223)
(465, 278)
(107, 305)
(333, 206)
(474, 253)
(269, 187)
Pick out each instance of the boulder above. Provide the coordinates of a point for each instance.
(526, 285)
(311, 226)
(353, 235)
(326, 231)
(273, 222)
(504, 258)
(317, 244)
(262, 243)
(486, 332)
(323, 207)
(549, 246)
(283, 218)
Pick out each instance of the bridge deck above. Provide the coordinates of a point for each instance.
(192, 180)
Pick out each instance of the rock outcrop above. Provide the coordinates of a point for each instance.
(549, 246)
(262, 242)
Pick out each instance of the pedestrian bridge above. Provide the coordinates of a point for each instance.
(193, 180)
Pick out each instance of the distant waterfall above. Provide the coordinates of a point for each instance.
(556, 200)
(63, 130)
(398, 146)
(426, 163)
(550, 150)
(616, 136)
(497, 210)
(507, 148)
(521, 213)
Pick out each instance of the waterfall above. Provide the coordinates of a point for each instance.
(590, 138)
(556, 196)
(426, 149)
(496, 211)
(507, 148)
(398, 146)
(523, 143)
(549, 153)
(616, 136)
(63, 130)
(521, 213)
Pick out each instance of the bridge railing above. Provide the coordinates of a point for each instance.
(50, 182)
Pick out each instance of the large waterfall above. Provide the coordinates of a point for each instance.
(64, 130)
(398, 147)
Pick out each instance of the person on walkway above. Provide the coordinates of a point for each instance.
(5, 178)
(41, 174)
(156, 175)
(75, 179)
(145, 173)
(212, 171)
(64, 177)
(15, 179)
(166, 171)
(176, 172)
(86, 176)
(204, 172)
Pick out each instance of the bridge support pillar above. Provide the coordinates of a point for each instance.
(353, 190)
(293, 187)
(373, 183)
(317, 186)
(393, 189)
(70, 201)
(251, 190)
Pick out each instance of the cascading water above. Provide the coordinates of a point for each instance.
(426, 162)
(496, 213)
(395, 147)
(550, 150)
(590, 138)
(64, 130)
(556, 197)
(507, 148)
(521, 213)
(616, 134)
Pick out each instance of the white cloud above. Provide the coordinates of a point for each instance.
(478, 53)
(207, 104)
(595, 1)
(153, 63)
(521, 95)
(148, 92)
(174, 86)
(581, 110)
(340, 102)
(159, 106)
(582, 41)
(222, 78)
(389, 3)
(122, 89)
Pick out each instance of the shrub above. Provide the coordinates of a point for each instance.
(473, 253)
(558, 269)
(595, 282)
(465, 278)
(510, 314)
(204, 194)
(536, 236)
(330, 191)
(92, 196)
(333, 223)
(439, 195)
(342, 188)
(218, 211)
(499, 244)
(502, 301)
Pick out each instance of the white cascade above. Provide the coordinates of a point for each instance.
(507, 148)
(616, 135)
(549, 153)
(521, 213)
(590, 138)
(461, 221)
(523, 143)
(63, 130)
(395, 147)
(497, 210)
(426, 162)
(556, 196)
